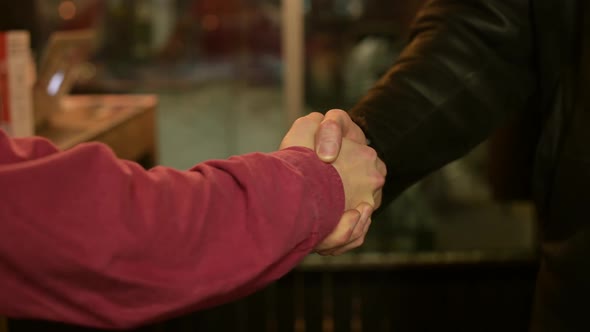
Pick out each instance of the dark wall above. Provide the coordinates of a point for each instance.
(21, 15)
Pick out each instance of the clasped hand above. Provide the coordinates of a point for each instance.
(359, 167)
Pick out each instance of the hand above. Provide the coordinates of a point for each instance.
(335, 126)
(354, 224)
(361, 171)
(335, 130)
(350, 232)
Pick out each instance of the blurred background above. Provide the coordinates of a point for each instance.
(455, 253)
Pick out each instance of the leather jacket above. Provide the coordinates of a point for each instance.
(470, 67)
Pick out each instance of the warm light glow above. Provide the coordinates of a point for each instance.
(55, 83)
(210, 22)
(67, 10)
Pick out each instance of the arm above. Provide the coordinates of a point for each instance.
(89, 239)
(467, 68)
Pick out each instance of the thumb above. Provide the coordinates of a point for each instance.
(328, 140)
(336, 125)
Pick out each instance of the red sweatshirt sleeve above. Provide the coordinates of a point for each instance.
(89, 239)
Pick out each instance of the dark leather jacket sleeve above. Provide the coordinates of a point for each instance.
(467, 67)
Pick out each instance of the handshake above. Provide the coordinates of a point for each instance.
(339, 141)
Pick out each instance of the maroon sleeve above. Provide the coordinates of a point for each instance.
(89, 239)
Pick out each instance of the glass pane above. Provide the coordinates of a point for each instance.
(214, 65)
(349, 45)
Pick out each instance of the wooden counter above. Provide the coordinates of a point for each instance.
(126, 123)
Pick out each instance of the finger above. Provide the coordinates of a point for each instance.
(381, 167)
(349, 246)
(302, 131)
(378, 198)
(328, 140)
(355, 244)
(359, 230)
(315, 117)
(349, 129)
(343, 231)
(336, 125)
(366, 211)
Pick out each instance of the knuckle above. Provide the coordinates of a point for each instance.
(316, 116)
(358, 232)
(300, 121)
(336, 113)
(382, 166)
(369, 199)
(360, 242)
(369, 153)
(373, 154)
(330, 126)
(306, 122)
(379, 180)
(345, 237)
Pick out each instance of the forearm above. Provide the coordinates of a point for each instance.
(467, 68)
(92, 240)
